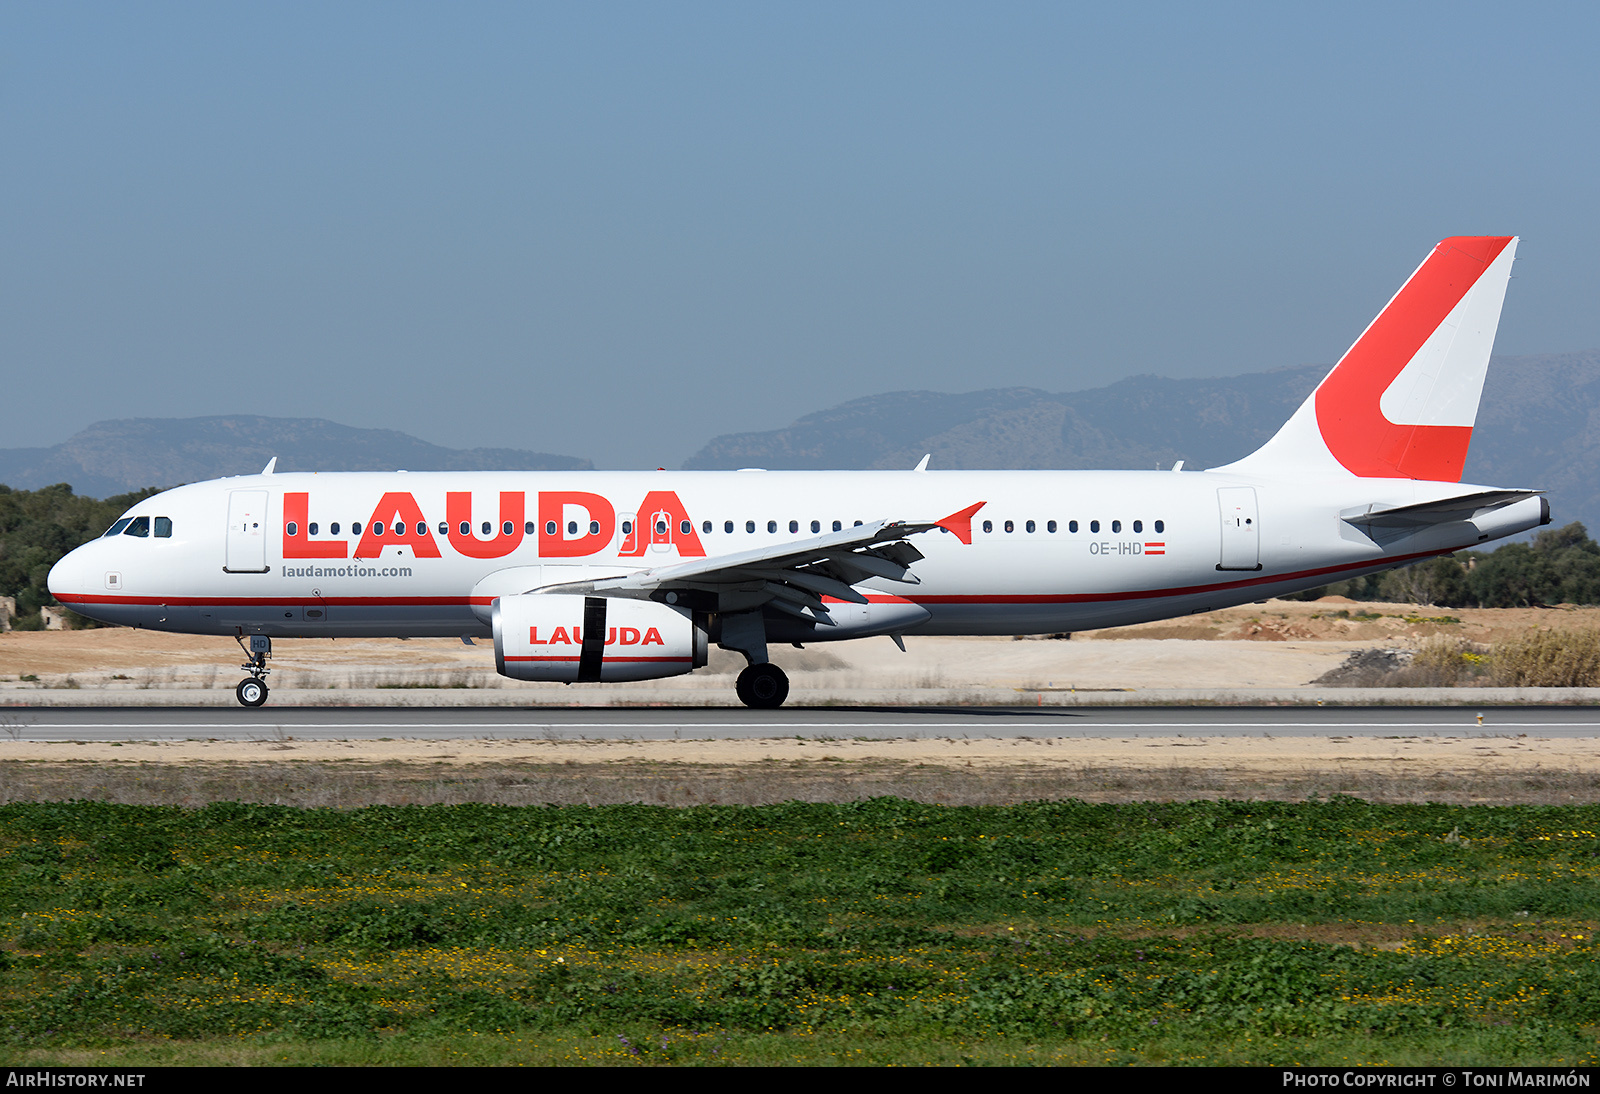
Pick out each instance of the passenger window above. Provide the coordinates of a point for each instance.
(1094, 526)
(1072, 526)
(837, 526)
(292, 529)
(772, 526)
(684, 527)
(816, 526)
(727, 526)
(527, 528)
(422, 528)
(1010, 527)
(705, 526)
(333, 529)
(549, 527)
(465, 529)
(749, 526)
(988, 526)
(594, 527)
(1029, 526)
(164, 528)
(488, 529)
(1050, 527)
(1116, 526)
(794, 526)
(1138, 526)
(572, 528)
(1161, 526)
(399, 527)
(627, 528)
(311, 529)
(377, 528)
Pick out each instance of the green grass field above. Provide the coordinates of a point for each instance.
(883, 931)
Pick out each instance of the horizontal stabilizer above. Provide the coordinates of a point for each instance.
(1463, 507)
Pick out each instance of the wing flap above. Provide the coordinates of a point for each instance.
(792, 577)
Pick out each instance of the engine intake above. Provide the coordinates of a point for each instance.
(567, 638)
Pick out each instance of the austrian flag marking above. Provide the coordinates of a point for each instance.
(1155, 548)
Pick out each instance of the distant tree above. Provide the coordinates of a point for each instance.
(1560, 566)
(1574, 564)
(1438, 581)
(37, 527)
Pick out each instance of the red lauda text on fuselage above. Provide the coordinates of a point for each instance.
(573, 636)
(398, 519)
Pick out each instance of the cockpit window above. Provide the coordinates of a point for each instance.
(116, 529)
(163, 527)
(139, 526)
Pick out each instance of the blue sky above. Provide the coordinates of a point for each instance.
(615, 230)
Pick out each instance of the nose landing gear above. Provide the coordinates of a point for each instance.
(252, 692)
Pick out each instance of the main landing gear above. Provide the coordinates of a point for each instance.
(763, 686)
(252, 691)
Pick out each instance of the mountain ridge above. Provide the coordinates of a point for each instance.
(1538, 426)
(123, 454)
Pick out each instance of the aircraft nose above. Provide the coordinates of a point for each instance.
(66, 576)
(56, 582)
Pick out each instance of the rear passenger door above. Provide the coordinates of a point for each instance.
(1241, 529)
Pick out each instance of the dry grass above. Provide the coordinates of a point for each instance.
(1534, 659)
(1549, 659)
(829, 780)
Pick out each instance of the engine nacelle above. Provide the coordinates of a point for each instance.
(568, 638)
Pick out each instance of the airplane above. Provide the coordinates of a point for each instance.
(623, 576)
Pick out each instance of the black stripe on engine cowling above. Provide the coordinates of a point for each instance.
(594, 639)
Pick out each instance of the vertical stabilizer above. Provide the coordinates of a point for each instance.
(1402, 401)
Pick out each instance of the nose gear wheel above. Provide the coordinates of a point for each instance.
(252, 691)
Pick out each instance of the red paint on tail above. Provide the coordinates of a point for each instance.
(1348, 413)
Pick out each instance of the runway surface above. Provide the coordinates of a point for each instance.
(699, 723)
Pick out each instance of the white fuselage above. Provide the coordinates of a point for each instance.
(1050, 551)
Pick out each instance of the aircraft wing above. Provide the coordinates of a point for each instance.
(792, 577)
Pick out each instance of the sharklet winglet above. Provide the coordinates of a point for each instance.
(961, 523)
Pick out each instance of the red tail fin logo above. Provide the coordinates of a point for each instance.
(1423, 318)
